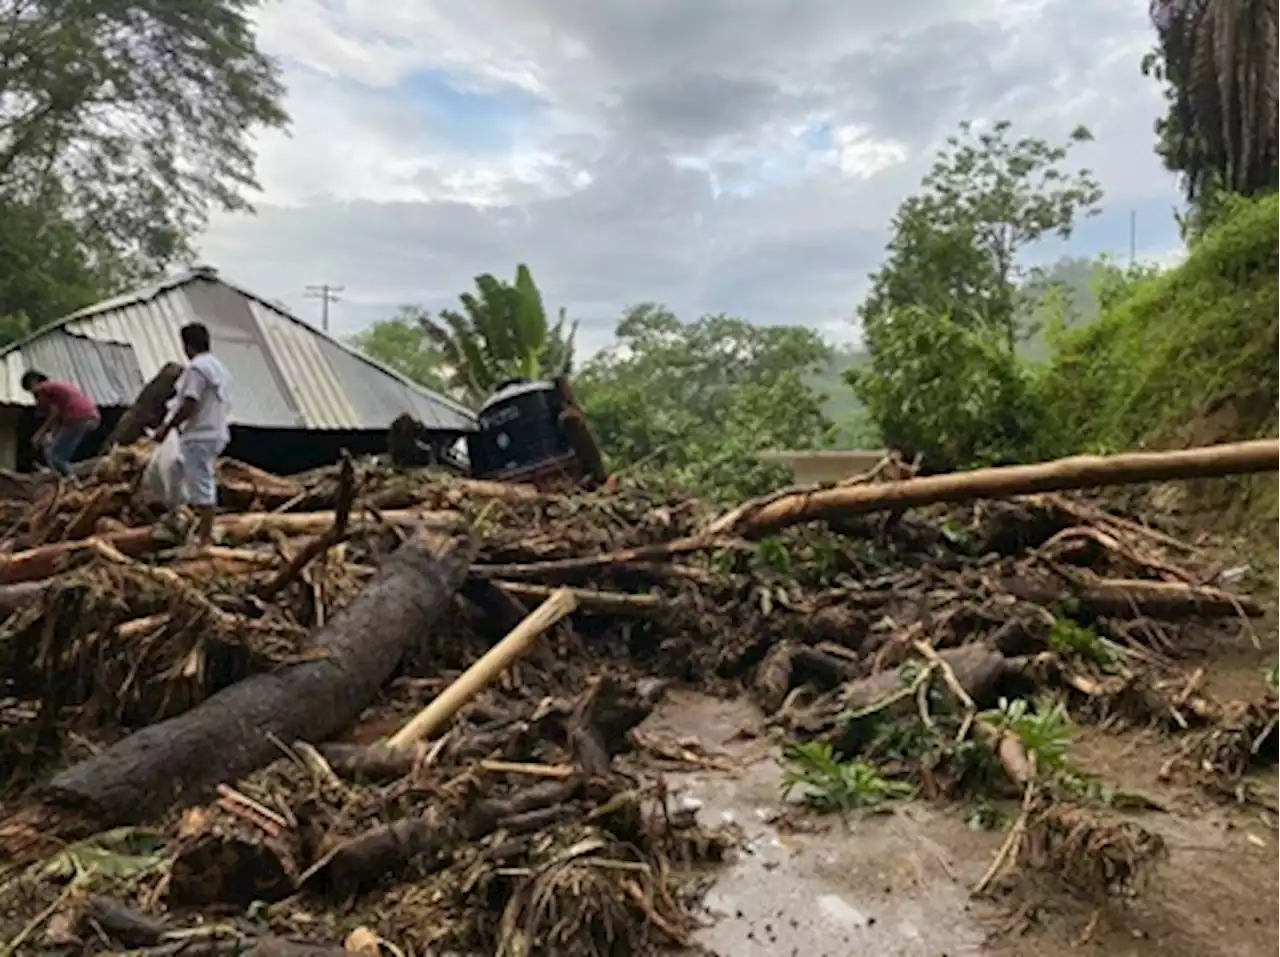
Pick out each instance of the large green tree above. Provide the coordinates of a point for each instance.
(500, 333)
(697, 401)
(956, 243)
(949, 300)
(48, 269)
(129, 122)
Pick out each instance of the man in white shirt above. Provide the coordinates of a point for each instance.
(201, 418)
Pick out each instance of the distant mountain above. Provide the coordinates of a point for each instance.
(841, 405)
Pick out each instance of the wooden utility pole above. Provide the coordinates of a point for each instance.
(326, 294)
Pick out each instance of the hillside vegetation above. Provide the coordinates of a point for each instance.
(1186, 357)
(1177, 346)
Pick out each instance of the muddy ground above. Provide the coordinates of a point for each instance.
(898, 883)
(797, 623)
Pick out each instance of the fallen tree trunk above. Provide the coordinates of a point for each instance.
(48, 560)
(1134, 598)
(774, 512)
(149, 409)
(239, 729)
(1083, 471)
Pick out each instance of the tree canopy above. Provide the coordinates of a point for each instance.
(696, 401)
(121, 127)
(400, 344)
(945, 314)
(955, 244)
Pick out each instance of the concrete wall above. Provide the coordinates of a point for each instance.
(825, 466)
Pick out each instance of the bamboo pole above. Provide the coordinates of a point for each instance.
(494, 662)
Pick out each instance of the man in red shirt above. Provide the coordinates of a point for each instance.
(69, 417)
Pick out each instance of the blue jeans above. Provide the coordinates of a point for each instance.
(64, 442)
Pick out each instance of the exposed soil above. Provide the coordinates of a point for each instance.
(899, 883)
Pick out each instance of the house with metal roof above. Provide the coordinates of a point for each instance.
(298, 395)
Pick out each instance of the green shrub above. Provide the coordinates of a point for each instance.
(946, 390)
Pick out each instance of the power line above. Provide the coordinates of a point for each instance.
(326, 293)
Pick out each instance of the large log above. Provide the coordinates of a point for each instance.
(45, 561)
(240, 729)
(1133, 598)
(1082, 471)
(149, 409)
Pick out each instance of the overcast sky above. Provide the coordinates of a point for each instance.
(739, 156)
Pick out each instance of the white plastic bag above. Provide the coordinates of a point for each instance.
(163, 478)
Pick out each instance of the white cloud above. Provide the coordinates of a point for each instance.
(862, 155)
(671, 155)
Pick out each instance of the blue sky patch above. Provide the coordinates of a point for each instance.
(818, 138)
(469, 119)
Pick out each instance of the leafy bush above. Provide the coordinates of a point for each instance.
(832, 785)
(948, 391)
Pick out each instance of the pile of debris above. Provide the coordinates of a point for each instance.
(307, 731)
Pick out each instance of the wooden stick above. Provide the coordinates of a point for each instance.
(246, 808)
(1013, 841)
(321, 543)
(138, 627)
(557, 771)
(602, 602)
(493, 663)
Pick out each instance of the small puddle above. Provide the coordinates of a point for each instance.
(879, 886)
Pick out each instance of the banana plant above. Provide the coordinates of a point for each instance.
(500, 333)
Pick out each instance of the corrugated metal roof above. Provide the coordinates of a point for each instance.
(108, 372)
(285, 373)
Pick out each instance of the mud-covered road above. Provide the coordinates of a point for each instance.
(897, 884)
